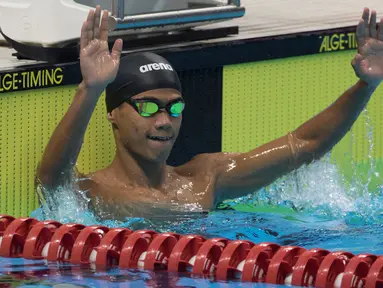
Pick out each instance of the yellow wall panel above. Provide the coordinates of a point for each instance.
(27, 120)
(265, 100)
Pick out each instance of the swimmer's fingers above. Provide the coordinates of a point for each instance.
(372, 26)
(83, 38)
(366, 18)
(360, 33)
(362, 30)
(104, 28)
(356, 64)
(362, 67)
(116, 50)
(96, 22)
(356, 60)
(380, 30)
(86, 30)
(89, 26)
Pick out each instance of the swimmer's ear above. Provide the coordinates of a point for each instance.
(111, 116)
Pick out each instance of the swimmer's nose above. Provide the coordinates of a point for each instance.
(163, 121)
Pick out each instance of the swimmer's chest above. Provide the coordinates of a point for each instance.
(177, 190)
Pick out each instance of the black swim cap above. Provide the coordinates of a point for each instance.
(140, 72)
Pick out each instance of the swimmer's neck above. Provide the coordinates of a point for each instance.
(139, 171)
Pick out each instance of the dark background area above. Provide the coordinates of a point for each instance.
(202, 118)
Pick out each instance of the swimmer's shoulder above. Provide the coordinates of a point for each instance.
(203, 171)
(91, 182)
(202, 163)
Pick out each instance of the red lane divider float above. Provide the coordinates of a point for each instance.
(306, 267)
(182, 257)
(14, 236)
(208, 256)
(107, 253)
(217, 258)
(38, 239)
(356, 271)
(134, 250)
(374, 277)
(282, 264)
(232, 260)
(159, 251)
(62, 242)
(5, 220)
(257, 262)
(332, 269)
(87, 240)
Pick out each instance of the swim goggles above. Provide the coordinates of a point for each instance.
(148, 107)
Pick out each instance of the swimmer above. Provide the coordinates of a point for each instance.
(144, 107)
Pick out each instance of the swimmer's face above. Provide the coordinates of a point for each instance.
(151, 137)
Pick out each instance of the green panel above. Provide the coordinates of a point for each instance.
(27, 121)
(265, 100)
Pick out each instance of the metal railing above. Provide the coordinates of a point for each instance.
(118, 6)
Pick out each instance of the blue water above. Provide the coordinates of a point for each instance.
(314, 207)
(287, 227)
(28, 274)
(301, 229)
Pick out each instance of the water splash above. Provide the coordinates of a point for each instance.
(65, 204)
(69, 204)
(318, 190)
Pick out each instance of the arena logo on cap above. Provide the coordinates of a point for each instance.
(155, 66)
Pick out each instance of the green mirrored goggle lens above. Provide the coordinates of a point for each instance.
(148, 108)
(177, 108)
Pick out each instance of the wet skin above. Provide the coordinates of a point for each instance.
(139, 178)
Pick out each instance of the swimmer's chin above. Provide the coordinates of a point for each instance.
(151, 154)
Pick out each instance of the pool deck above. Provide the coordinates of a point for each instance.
(263, 19)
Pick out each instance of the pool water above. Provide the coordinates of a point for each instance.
(283, 228)
(311, 208)
(28, 274)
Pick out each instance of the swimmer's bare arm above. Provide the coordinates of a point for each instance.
(240, 174)
(98, 67)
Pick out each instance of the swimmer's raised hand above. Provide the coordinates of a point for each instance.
(99, 66)
(368, 63)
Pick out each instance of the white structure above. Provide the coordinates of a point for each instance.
(54, 22)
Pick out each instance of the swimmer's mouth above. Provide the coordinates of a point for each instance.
(160, 138)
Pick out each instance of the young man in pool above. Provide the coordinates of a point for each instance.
(144, 103)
